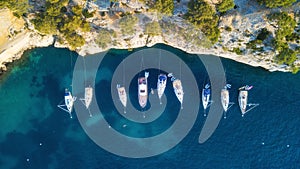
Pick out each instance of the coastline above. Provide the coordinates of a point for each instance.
(31, 40)
(17, 46)
(181, 35)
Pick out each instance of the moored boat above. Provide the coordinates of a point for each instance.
(88, 96)
(122, 95)
(178, 90)
(161, 85)
(243, 99)
(143, 90)
(206, 96)
(225, 99)
(69, 102)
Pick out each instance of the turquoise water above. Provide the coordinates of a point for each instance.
(35, 134)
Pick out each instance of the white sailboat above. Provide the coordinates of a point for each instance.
(243, 99)
(206, 96)
(88, 97)
(177, 86)
(225, 99)
(143, 90)
(69, 101)
(161, 85)
(122, 95)
(178, 90)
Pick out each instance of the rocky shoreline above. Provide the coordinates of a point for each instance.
(239, 21)
(26, 41)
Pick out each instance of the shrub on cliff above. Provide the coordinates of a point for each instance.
(276, 3)
(294, 37)
(238, 51)
(286, 56)
(62, 20)
(203, 16)
(262, 35)
(279, 45)
(163, 6)
(45, 24)
(253, 44)
(103, 38)
(87, 14)
(286, 24)
(153, 28)
(18, 8)
(74, 40)
(127, 24)
(225, 5)
(73, 23)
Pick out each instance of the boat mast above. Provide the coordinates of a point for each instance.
(251, 105)
(141, 68)
(230, 104)
(123, 66)
(85, 86)
(159, 56)
(180, 79)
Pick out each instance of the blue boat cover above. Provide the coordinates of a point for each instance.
(162, 77)
(206, 92)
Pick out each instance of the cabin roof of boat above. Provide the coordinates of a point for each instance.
(206, 91)
(142, 80)
(162, 77)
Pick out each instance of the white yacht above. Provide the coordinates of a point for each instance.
(143, 90)
(161, 85)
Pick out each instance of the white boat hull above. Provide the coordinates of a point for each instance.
(225, 99)
(243, 98)
(142, 91)
(88, 96)
(205, 99)
(69, 101)
(161, 85)
(178, 90)
(122, 95)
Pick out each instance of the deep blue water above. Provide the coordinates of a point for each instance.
(267, 137)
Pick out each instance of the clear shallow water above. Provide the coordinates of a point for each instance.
(29, 116)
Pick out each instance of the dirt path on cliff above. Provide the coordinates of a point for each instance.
(13, 46)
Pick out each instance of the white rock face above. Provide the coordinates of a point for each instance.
(23, 42)
(245, 22)
(233, 39)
